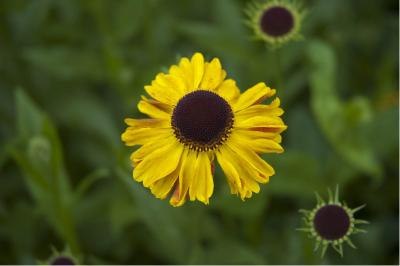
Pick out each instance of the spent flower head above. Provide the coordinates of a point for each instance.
(275, 21)
(331, 223)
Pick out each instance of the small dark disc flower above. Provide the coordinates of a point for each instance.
(64, 257)
(331, 223)
(275, 21)
(62, 260)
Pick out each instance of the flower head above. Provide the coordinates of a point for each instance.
(198, 116)
(275, 21)
(64, 257)
(62, 260)
(331, 223)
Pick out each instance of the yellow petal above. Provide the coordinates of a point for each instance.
(228, 90)
(248, 155)
(261, 145)
(184, 74)
(141, 136)
(162, 93)
(162, 187)
(254, 95)
(171, 82)
(138, 156)
(186, 66)
(185, 178)
(202, 185)
(230, 172)
(213, 75)
(146, 107)
(148, 123)
(269, 122)
(158, 164)
(256, 134)
(260, 110)
(247, 173)
(197, 63)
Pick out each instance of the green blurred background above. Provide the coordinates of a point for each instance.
(71, 71)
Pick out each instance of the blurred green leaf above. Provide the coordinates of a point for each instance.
(297, 175)
(341, 122)
(66, 63)
(43, 167)
(170, 237)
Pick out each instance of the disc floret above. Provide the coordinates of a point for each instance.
(331, 223)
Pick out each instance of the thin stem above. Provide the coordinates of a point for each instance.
(278, 68)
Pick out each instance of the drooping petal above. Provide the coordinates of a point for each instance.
(248, 155)
(254, 95)
(258, 134)
(150, 147)
(158, 164)
(163, 187)
(260, 110)
(247, 174)
(262, 145)
(202, 185)
(230, 172)
(184, 181)
(272, 123)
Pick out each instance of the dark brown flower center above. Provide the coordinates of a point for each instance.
(63, 260)
(202, 120)
(277, 21)
(331, 222)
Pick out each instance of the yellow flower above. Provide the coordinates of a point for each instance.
(196, 116)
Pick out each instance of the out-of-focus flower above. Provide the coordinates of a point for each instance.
(331, 223)
(275, 21)
(196, 115)
(61, 258)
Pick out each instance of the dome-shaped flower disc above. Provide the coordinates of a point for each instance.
(62, 260)
(277, 21)
(196, 117)
(202, 119)
(332, 223)
(64, 257)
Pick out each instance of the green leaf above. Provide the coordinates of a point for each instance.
(29, 117)
(297, 175)
(43, 167)
(342, 123)
(169, 237)
(65, 63)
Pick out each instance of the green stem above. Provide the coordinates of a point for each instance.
(278, 68)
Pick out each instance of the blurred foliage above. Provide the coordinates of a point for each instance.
(70, 71)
